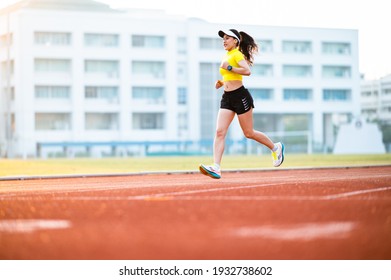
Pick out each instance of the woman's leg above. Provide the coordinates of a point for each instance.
(224, 119)
(246, 123)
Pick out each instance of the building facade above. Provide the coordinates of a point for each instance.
(376, 105)
(106, 81)
(376, 100)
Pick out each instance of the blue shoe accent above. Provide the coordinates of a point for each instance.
(204, 170)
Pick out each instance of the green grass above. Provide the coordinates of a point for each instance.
(37, 167)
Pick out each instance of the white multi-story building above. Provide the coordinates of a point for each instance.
(376, 99)
(376, 105)
(94, 78)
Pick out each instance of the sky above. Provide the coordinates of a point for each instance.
(370, 17)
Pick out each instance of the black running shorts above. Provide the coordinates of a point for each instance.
(239, 100)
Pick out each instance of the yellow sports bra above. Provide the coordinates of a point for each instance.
(233, 57)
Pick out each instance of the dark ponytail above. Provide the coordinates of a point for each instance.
(248, 47)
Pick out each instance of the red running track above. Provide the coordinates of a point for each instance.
(338, 213)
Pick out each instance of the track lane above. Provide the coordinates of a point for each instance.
(289, 214)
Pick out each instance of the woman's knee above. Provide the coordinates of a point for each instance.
(249, 134)
(221, 132)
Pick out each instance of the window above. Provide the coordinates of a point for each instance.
(104, 92)
(296, 122)
(9, 93)
(336, 72)
(148, 120)
(369, 111)
(52, 65)
(143, 41)
(101, 121)
(52, 38)
(210, 43)
(265, 46)
(7, 68)
(108, 67)
(386, 109)
(182, 122)
(367, 93)
(52, 121)
(386, 91)
(182, 45)
(336, 94)
(297, 94)
(297, 71)
(154, 69)
(101, 40)
(182, 71)
(336, 48)
(182, 95)
(264, 70)
(151, 95)
(4, 40)
(262, 93)
(52, 92)
(296, 47)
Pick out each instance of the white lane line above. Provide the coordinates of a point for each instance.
(200, 198)
(220, 189)
(302, 232)
(359, 192)
(96, 186)
(185, 195)
(180, 194)
(28, 226)
(2, 197)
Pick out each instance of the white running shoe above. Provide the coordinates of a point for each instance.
(210, 171)
(278, 156)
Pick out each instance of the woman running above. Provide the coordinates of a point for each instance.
(237, 99)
